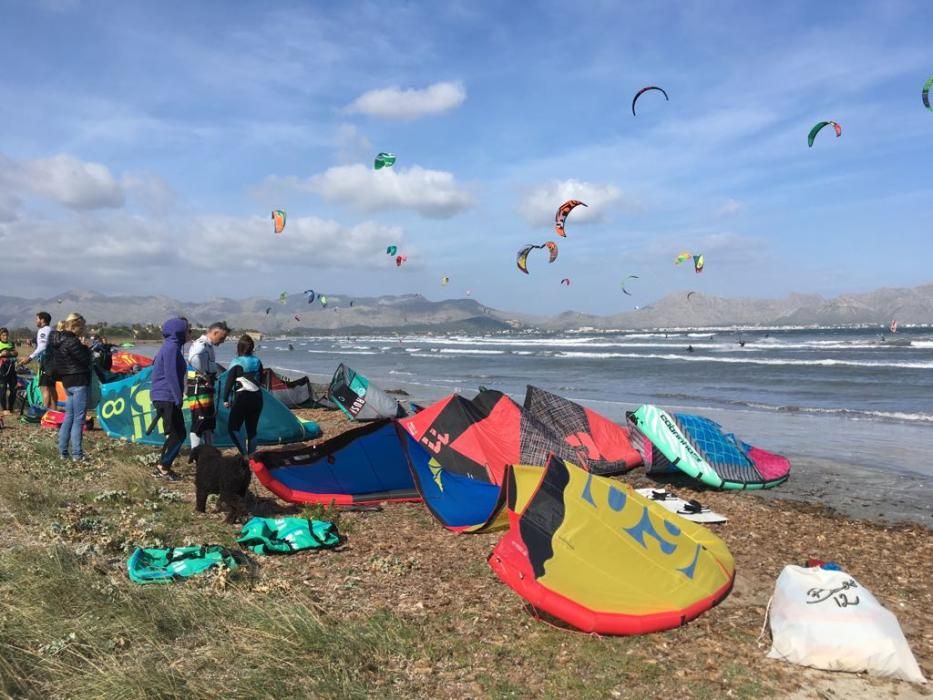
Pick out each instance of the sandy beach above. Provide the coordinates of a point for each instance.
(408, 608)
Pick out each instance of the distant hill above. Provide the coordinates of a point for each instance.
(413, 313)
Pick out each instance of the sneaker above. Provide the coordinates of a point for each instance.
(166, 474)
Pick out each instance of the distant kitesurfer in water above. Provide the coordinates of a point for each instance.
(689, 348)
(741, 343)
(291, 347)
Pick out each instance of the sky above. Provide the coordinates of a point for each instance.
(143, 146)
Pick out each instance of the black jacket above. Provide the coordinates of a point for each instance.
(71, 359)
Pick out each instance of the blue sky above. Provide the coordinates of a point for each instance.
(143, 146)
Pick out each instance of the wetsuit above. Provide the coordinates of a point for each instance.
(199, 391)
(7, 375)
(244, 380)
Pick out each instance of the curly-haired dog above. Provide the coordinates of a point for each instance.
(228, 477)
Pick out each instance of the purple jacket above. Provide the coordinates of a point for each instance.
(168, 370)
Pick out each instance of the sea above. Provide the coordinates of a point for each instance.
(859, 396)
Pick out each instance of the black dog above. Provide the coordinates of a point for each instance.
(228, 477)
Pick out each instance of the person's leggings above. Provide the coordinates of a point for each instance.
(7, 385)
(173, 425)
(247, 406)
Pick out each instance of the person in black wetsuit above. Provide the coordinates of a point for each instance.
(244, 381)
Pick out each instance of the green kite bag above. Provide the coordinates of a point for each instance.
(287, 535)
(167, 564)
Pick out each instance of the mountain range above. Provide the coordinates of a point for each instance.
(414, 313)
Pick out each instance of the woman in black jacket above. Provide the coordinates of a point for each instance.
(72, 367)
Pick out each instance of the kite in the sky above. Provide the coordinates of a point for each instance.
(278, 216)
(399, 259)
(283, 297)
(681, 258)
(630, 277)
(444, 280)
(690, 294)
(561, 216)
(310, 294)
(384, 160)
(925, 95)
(323, 300)
(816, 129)
(391, 250)
(297, 318)
(60, 301)
(698, 263)
(268, 309)
(521, 259)
(468, 292)
(643, 91)
(565, 281)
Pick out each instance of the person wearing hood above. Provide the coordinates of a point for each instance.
(167, 393)
(199, 384)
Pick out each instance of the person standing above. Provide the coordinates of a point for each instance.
(72, 366)
(43, 358)
(244, 380)
(199, 384)
(7, 372)
(167, 394)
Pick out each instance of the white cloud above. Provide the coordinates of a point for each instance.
(71, 182)
(411, 103)
(152, 191)
(729, 207)
(432, 193)
(539, 205)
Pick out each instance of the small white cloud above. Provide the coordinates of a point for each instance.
(729, 207)
(432, 193)
(411, 103)
(539, 205)
(74, 183)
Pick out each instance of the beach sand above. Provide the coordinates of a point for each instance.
(472, 636)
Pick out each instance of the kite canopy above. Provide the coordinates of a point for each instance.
(126, 412)
(364, 465)
(521, 260)
(563, 211)
(399, 259)
(600, 445)
(124, 362)
(278, 216)
(391, 250)
(384, 160)
(283, 297)
(816, 129)
(310, 294)
(630, 277)
(565, 281)
(698, 263)
(356, 396)
(698, 447)
(593, 553)
(925, 95)
(682, 258)
(444, 280)
(643, 91)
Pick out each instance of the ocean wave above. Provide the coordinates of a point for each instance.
(743, 360)
(467, 351)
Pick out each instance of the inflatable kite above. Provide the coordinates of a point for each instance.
(643, 91)
(399, 259)
(698, 263)
(323, 300)
(698, 447)
(310, 294)
(925, 95)
(391, 250)
(630, 277)
(365, 465)
(444, 280)
(297, 318)
(278, 216)
(268, 309)
(593, 553)
(283, 297)
(690, 294)
(384, 160)
(816, 129)
(561, 217)
(521, 260)
(359, 399)
(565, 281)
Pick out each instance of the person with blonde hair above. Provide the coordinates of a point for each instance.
(72, 367)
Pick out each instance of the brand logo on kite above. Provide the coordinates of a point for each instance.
(680, 438)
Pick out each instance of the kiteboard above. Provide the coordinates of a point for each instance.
(685, 509)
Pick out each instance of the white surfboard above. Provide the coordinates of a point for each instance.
(679, 506)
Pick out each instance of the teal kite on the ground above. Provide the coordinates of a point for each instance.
(167, 564)
(287, 535)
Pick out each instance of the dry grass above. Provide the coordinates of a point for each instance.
(403, 609)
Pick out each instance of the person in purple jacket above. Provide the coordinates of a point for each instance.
(167, 394)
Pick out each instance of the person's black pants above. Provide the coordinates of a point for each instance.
(247, 407)
(173, 425)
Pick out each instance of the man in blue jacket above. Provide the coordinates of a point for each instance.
(167, 394)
